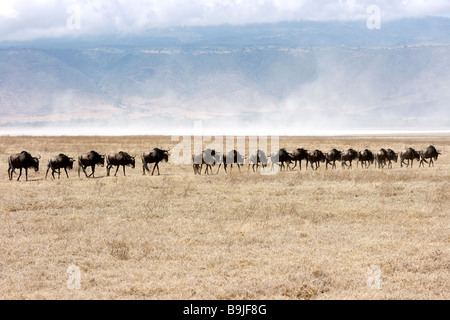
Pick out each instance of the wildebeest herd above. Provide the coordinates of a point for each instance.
(283, 159)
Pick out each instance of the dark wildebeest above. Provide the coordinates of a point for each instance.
(119, 159)
(391, 156)
(315, 157)
(380, 158)
(90, 159)
(281, 158)
(154, 156)
(299, 154)
(258, 158)
(408, 154)
(207, 157)
(331, 157)
(428, 153)
(366, 158)
(348, 155)
(22, 160)
(232, 157)
(61, 161)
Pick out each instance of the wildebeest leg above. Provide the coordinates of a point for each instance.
(295, 165)
(65, 169)
(124, 171)
(157, 166)
(144, 167)
(93, 171)
(26, 174)
(84, 170)
(46, 173)
(20, 174)
(239, 167)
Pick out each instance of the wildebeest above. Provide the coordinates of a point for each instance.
(61, 161)
(408, 154)
(391, 156)
(380, 158)
(90, 159)
(22, 160)
(258, 158)
(232, 157)
(281, 158)
(207, 157)
(119, 159)
(428, 153)
(299, 154)
(315, 158)
(366, 158)
(331, 157)
(348, 155)
(154, 156)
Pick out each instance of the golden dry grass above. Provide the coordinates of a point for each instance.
(294, 235)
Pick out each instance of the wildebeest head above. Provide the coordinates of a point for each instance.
(101, 160)
(165, 155)
(72, 160)
(35, 163)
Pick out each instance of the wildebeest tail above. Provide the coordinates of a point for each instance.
(11, 165)
(79, 166)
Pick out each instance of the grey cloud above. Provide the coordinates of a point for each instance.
(26, 20)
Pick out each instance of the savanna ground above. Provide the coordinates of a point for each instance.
(294, 235)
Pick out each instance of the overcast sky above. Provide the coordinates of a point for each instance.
(31, 19)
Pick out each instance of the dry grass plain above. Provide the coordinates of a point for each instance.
(293, 235)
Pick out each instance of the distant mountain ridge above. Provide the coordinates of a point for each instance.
(333, 75)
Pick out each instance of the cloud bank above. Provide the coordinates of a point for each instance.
(32, 19)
